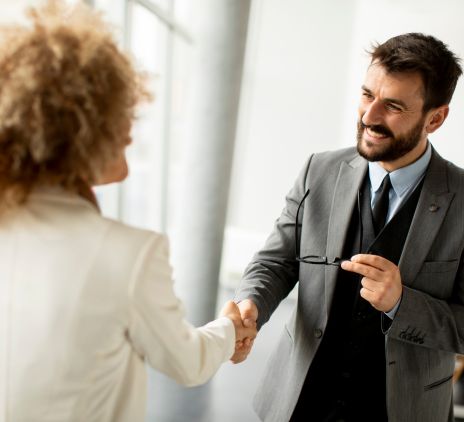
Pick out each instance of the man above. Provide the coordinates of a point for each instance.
(375, 237)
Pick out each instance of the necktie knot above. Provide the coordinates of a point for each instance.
(381, 204)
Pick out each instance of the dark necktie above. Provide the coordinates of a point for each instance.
(380, 210)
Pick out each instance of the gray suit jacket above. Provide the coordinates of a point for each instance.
(428, 328)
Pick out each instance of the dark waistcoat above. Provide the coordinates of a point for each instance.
(346, 380)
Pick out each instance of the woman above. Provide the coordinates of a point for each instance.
(84, 300)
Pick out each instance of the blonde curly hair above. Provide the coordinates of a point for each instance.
(66, 93)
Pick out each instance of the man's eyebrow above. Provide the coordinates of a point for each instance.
(365, 88)
(386, 100)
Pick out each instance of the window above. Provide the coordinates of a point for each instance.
(160, 47)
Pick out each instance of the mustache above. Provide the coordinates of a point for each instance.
(382, 130)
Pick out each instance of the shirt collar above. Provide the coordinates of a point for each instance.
(403, 178)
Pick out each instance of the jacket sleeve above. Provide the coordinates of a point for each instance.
(274, 271)
(158, 329)
(429, 321)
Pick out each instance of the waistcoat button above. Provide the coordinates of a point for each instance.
(318, 333)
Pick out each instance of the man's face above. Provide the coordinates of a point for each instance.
(391, 122)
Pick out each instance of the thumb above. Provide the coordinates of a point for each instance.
(248, 312)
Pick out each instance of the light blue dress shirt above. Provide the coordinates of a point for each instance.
(403, 181)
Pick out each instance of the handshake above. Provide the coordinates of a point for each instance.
(244, 316)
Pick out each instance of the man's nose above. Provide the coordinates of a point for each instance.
(373, 114)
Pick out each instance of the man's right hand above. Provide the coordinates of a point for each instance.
(249, 314)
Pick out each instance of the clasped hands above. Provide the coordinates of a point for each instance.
(244, 316)
(245, 329)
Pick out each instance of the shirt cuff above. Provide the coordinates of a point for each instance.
(391, 314)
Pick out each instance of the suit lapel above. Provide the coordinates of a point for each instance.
(349, 180)
(432, 207)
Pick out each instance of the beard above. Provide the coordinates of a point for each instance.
(394, 148)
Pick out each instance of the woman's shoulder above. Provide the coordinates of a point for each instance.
(73, 217)
(120, 232)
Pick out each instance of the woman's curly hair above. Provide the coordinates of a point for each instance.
(66, 94)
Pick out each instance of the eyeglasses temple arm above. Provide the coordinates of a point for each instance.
(297, 249)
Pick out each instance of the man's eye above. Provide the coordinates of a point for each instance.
(367, 95)
(392, 107)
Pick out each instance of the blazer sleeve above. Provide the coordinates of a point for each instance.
(158, 329)
(274, 271)
(430, 322)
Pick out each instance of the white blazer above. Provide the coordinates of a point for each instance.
(85, 301)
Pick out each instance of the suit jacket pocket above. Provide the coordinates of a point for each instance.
(434, 267)
(438, 383)
(437, 278)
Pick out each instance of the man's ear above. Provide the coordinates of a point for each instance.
(436, 118)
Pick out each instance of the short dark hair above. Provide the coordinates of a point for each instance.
(415, 52)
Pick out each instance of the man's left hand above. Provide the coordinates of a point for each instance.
(381, 282)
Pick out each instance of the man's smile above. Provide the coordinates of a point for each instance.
(373, 136)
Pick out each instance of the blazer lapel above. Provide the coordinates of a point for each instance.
(432, 207)
(349, 181)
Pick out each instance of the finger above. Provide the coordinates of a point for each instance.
(248, 310)
(373, 299)
(363, 269)
(239, 356)
(247, 314)
(247, 333)
(367, 294)
(244, 348)
(250, 334)
(375, 261)
(249, 323)
(369, 284)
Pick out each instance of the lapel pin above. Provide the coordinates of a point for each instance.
(433, 207)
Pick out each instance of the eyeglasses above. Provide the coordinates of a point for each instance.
(323, 260)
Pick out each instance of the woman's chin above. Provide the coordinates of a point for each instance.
(113, 176)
